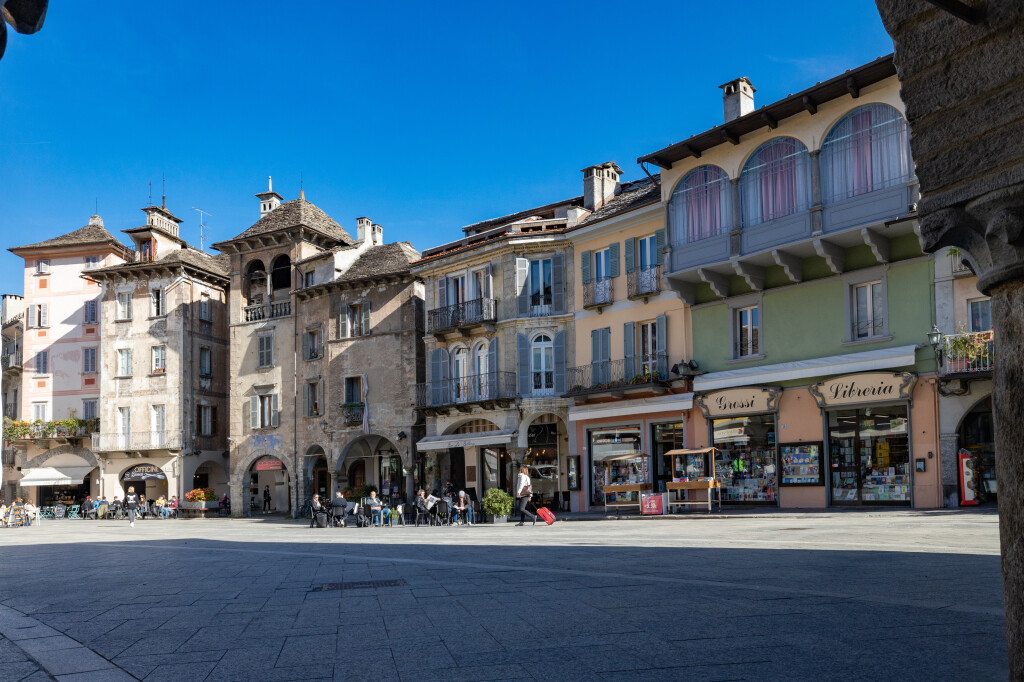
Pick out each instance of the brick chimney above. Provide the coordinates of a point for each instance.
(737, 98)
(600, 184)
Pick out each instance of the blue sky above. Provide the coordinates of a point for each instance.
(424, 117)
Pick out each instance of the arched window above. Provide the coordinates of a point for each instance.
(281, 272)
(542, 365)
(701, 205)
(460, 373)
(255, 282)
(480, 369)
(865, 151)
(776, 181)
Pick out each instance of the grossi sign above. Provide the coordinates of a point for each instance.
(736, 401)
(872, 387)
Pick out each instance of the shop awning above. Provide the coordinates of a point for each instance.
(691, 451)
(848, 363)
(665, 403)
(464, 440)
(54, 476)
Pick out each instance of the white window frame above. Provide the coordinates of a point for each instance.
(536, 284)
(40, 411)
(601, 269)
(477, 282)
(205, 420)
(90, 312)
(736, 305)
(157, 302)
(265, 350)
(970, 315)
(460, 366)
(877, 274)
(124, 305)
(42, 316)
(266, 410)
(89, 360)
(646, 248)
(647, 348)
(547, 364)
(124, 362)
(159, 356)
(90, 262)
(355, 320)
(43, 266)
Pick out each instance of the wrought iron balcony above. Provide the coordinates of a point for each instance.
(597, 292)
(263, 311)
(468, 390)
(352, 413)
(646, 282)
(137, 440)
(461, 315)
(11, 360)
(972, 353)
(606, 375)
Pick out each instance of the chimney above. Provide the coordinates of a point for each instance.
(378, 234)
(600, 184)
(737, 98)
(363, 227)
(269, 200)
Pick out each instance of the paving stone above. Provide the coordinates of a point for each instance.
(66, 661)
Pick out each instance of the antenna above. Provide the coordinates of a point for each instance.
(150, 192)
(202, 227)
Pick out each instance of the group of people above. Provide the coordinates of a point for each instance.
(99, 508)
(19, 513)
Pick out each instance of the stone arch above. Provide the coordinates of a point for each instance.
(40, 459)
(367, 440)
(522, 437)
(452, 428)
(239, 473)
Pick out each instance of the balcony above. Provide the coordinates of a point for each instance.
(352, 413)
(60, 430)
(464, 315)
(643, 283)
(11, 360)
(263, 311)
(485, 390)
(617, 376)
(137, 440)
(597, 293)
(967, 355)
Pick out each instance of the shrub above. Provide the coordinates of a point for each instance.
(201, 495)
(497, 502)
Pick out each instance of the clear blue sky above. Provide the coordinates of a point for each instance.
(424, 117)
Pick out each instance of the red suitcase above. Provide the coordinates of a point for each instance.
(546, 514)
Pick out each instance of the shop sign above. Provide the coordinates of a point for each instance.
(738, 401)
(652, 504)
(145, 472)
(271, 443)
(871, 387)
(268, 463)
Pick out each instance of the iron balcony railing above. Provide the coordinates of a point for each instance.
(644, 282)
(468, 389)
(969, 353)
(11, 360)
(263, 311)
(352, 413)
(597, 292)
(957, 265)
(616, 374)
(209, 443)
(137, 440)
(463, 314)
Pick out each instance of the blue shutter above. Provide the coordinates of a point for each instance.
(522, 287)
(630, 255)
(628, 342)
(442, 292)
(661, 323)
(275, 414)
(438, 376)
(492, 368)
(559, 353)
(613, 257)
(659, 246)
(366, 319)
(558, 283)
(585, 267)
(254, 412)
(343, 322)
(523, 364)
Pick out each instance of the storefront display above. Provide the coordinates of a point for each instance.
(801, 463)
(869, 459)
(692, 472)
(745, 461)
(616, 460)
(665, 437)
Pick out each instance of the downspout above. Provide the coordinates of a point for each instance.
(295, 394)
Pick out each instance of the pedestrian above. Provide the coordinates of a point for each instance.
(131, 503)
(266, 499)
(524, 492)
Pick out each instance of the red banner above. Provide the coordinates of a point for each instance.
(652, 504)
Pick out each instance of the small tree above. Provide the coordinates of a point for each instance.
(497, 502)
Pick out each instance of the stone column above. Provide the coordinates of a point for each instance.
(737, 218)
(816, 191)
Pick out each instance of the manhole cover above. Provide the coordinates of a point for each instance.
(362, 585)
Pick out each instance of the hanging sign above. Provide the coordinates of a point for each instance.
(268, 463)
(739, 401)
(145, 472)
(870, 387)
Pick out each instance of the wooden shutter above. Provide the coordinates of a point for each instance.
(659, 246)
(628, 352)
(558, 283)
(492, 368)
(585, 267)
(366, 318)
(306, 402)
(523, 364)
(630, 255)
(442, 291)
(439, 376)
(305, 345)
(487, 282)
(343, 322)
(254, 412)
(198, 430)
(31, 322)
(320, 398)
(613, 259)
(522, 286)
(661, 323)
(275, 416)
(44, 314)
(559, 353)
(213, 420)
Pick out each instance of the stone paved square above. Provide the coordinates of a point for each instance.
(858, 595)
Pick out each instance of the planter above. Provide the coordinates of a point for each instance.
(500, 519)
(200, 505)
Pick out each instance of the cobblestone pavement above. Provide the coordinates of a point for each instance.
(880, 595)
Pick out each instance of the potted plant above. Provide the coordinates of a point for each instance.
(498, 504)
(200, 499)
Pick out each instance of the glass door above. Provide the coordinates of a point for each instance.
(869, 456)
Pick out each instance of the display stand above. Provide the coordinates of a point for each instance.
(680, 484)
(638, 488)
(634, 482)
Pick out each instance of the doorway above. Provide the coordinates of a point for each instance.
(869, 456)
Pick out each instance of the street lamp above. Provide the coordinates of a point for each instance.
(935, 340)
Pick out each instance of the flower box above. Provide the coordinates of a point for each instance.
(185, 504)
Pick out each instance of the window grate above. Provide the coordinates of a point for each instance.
(361, 585)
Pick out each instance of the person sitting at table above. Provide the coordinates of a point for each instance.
(338, 505)
(31, 512)
(463, 507)
(115, 506)
(88, 509)
(377, 508)
(170, 507)
(143, 507)
(102, 507)
(160, 503)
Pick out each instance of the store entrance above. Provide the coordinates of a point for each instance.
(869, 456)
(746, 459)
(977, 436)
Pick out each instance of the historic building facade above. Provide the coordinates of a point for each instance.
(13, 333)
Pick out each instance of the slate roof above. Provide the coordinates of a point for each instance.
(93, 233)
(218, 265)
(515, 217)
(633, 195)
(322, 254)
(297, 213)
(378, 261)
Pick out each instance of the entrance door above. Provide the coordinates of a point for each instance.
(457, 457)
(869, 456)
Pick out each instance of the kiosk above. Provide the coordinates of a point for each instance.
(693, 469)
(625, 479)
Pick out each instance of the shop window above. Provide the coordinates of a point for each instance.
(616, 459)
(746, 462)
(869, 456)
(667, 437)
(265, 350)
(980, 312)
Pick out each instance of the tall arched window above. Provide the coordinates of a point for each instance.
(460, 373)
(542, 362)
(776, 181)
(281, 272)
(701, 205)
(480, 369)
(865, 151)
(255, 285)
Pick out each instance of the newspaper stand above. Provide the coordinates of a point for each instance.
(677, 488)
(638, 488)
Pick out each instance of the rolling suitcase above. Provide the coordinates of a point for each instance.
(546, 514)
